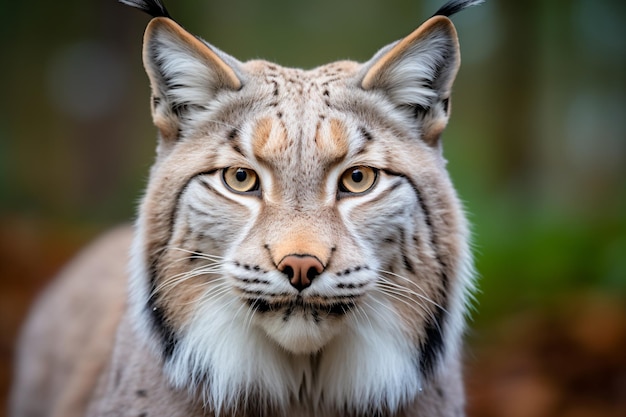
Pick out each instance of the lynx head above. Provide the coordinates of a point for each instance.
(299, 236)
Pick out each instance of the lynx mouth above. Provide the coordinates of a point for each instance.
(317, 310)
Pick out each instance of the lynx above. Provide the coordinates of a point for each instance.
(299, 250)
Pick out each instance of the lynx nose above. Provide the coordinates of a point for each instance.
(300, 269)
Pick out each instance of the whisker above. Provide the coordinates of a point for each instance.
(178, 279)
(409, 281)
(198, 254)
(249, 316)
(388, 308)
(413, 307)
(405, 292)
(390, 288)
(213, 293)
(405, 279)
(361, 312)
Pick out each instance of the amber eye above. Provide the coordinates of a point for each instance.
(357, 180)
(240, 180)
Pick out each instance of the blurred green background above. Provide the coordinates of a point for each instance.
(536, 146)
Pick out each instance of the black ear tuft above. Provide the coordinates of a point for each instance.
(154, 8)
(455, 6)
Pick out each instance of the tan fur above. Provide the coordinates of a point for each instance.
(261, 137)
(334, 143)
(208, 298)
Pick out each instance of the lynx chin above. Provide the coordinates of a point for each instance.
(299, 250)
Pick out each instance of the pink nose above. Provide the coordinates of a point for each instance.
(300, 269)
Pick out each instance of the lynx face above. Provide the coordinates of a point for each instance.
(300, 237)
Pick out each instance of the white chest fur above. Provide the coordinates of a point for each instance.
(370, 363)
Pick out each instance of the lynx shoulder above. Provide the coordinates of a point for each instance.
(299, 250)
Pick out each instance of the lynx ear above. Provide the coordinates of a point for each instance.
(417, 72)
(184, 72)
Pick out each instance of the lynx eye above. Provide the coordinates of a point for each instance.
(357, 180)
(240, 180)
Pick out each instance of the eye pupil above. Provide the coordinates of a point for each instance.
(358, 179)
(357, 175)
(240, 180)
(241, 175)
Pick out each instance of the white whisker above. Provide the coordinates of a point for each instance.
(409, 281)
(197, 255)
(405, 292)
(388, 308)
(413, 307)
(361, 312)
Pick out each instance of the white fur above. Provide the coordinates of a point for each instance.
(299, 335)
(370, 361)
(409, 80)
(408, 77)
(187, 70)
(236, 355)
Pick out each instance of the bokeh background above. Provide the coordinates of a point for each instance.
(536, 147)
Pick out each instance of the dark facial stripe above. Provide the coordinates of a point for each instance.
(237, 149)
(157, 314)
(385, 194)
(168, 335)
(366, 134)
(429, 224)
(408, 265)
(432, 346)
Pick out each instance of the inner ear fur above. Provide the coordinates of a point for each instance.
(184, 72)
(418, 72)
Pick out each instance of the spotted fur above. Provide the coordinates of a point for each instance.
(215, 323)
